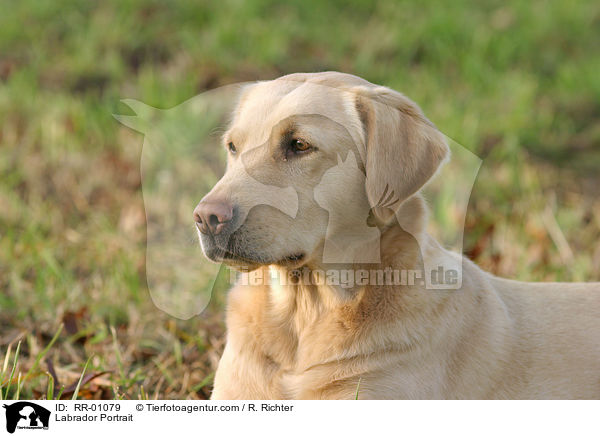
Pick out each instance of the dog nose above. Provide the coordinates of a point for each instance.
(212, 216)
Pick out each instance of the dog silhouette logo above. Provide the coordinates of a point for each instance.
(26, 415)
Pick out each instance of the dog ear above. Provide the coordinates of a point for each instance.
(402, 150)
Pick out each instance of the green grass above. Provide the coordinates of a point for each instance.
(514, 81)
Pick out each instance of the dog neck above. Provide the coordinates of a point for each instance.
(303, 298)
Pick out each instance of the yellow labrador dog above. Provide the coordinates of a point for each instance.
(348, 159)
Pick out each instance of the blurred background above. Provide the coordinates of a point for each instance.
(515, 82)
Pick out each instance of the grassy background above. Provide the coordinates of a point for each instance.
(514, 81)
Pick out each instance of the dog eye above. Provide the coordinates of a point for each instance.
(299, 145)
(232, 148)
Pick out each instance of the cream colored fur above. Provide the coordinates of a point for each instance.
(492, 338)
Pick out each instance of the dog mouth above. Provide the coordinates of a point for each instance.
(234, 257)
(229, 257)
(292, 261)
(219, 254)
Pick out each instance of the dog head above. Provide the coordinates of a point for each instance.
(285, 134)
